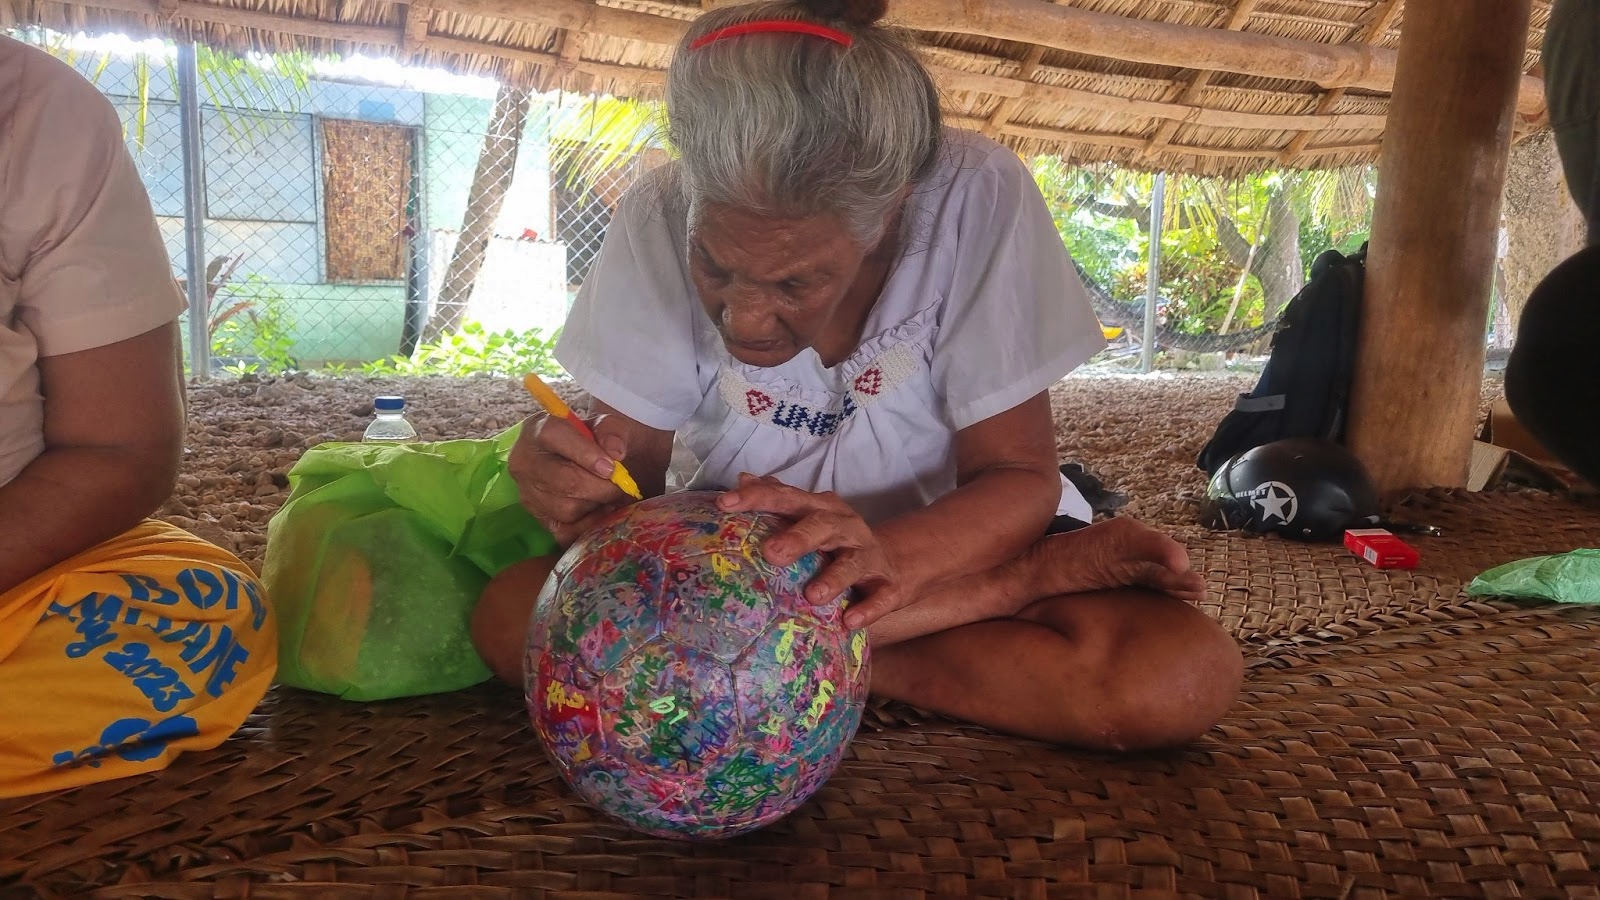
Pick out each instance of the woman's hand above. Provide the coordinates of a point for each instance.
(565, 478)
(823, 522)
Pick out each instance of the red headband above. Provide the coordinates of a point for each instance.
(785, 26)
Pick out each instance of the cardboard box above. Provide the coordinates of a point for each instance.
(1488, 465)
(1506, 453)
(1379, 547)
(1503, 430)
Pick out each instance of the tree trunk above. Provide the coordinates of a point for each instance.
(1277, 264)
(1501, 324)
(1238, 288)
(1543, 225)
(497, 161)
(1274, 259)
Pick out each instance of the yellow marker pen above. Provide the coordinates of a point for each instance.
(554, 405)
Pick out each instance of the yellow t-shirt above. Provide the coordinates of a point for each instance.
(117, 660)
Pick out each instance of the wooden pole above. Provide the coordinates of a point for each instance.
(1419, 369)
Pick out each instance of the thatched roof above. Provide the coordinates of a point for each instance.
(1205, 86)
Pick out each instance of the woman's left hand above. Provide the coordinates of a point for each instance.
(823, 522)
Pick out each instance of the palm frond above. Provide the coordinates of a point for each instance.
(227, 82)
(590, 140)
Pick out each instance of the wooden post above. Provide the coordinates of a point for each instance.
(1419, 370)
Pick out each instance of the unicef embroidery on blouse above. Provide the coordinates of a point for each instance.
(762, 403)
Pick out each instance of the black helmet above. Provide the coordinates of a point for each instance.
(1307, 489)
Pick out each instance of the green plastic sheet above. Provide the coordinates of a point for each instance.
(1564, 578)
(376, 560)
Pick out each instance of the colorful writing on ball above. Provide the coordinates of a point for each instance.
(682, 684)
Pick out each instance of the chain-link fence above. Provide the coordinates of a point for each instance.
(341, 223)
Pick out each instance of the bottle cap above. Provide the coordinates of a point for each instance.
(389, 404)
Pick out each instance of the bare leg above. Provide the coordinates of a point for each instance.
(1055, 645)
(500, 620)
(1116, 669)
(1110, 670)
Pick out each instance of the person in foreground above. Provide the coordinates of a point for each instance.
(123, 641)
(1552, 380)
(867, 310)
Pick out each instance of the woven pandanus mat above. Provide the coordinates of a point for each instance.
(1277, 594)
(1394, 739)
(1459, 760)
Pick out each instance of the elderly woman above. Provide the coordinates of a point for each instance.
(829, 290)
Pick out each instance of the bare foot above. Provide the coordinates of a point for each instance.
(1116, 553)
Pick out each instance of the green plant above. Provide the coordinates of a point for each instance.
(1233, 250)
(255, 329)
(475, 350)
(218, 273)
(1197, 286)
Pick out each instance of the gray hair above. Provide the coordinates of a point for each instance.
(796, 126)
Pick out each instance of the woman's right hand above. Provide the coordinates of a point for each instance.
(564, 477)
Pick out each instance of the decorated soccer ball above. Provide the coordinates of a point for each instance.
(683, 685)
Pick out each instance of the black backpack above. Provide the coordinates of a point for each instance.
(1305, 387)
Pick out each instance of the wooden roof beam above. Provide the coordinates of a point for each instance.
(569, 46)
(1387, 12)
(1011, 88)
(414, 32)
(1025, 21)
(1008, 106)
(948, 78)
(1128, 142)
(172, 10)
(631, 75)
(180, 15)
(1161, 43)
(413, 35)
(1242, 11)
(1046, 24)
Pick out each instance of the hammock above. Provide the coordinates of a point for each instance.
(1131, 317)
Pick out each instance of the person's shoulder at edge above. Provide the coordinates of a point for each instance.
(46, 82)
(965, 154)
(974, 173)
(59, 137)
(654, 197)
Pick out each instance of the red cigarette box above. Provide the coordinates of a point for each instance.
(1381, 548)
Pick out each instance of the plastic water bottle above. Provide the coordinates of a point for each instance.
(390, 423)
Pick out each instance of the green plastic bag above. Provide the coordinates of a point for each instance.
(376, 560)
(1565, 578)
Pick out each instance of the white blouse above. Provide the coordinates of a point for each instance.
(981, 311)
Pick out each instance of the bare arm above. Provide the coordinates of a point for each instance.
(113, 422)
(1007, 491)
